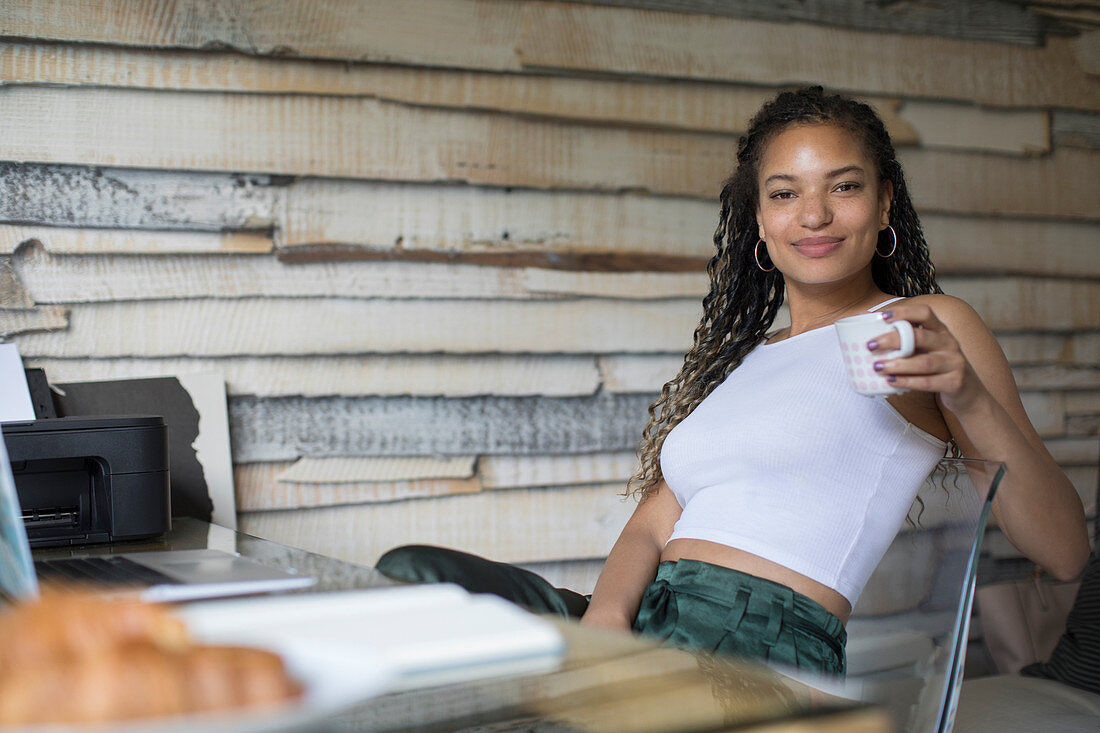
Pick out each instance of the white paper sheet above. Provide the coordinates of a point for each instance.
(15, 396)
(207, 391)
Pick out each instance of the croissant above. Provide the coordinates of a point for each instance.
(65, 624)
(74, 658)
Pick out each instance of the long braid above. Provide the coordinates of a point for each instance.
(743, 301)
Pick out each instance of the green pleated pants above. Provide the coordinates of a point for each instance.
(697, 605)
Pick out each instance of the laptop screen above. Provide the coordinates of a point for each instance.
(17, 579)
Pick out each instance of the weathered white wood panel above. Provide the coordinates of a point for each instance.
(1025, 349)
(996, 20)
(1074, 451)
(1075, 129)
(1074, 14)
(478, 219)
(525, 525)
(63, 240)
(475, 33)
(282, 429)
(1047, 412)
(12, 292)
(280, 376)
(295, 326)
(1087, 48)
(77, 279)
(960, 244)
(624, 373)
(1018, 303)
(259, 486)
(1082, 348)
(497, 472)
(14, 321)
(1085, 348)
(1057, 377)
(627, 286)
(680, 105)
(59, 279)
(1083, 403)
(349, 137)
(345, 469)
(365, 138)
(978, 128)
(1083, 425)
(587, 38)
(1001, 185)
(116, 198)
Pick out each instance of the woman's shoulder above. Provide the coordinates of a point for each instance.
(955, 312)
(966, 325)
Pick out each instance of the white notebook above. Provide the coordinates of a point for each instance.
(423, 634)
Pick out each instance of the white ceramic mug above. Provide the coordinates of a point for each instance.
(854, 333)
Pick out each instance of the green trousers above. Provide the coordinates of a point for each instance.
(697, 605)
(689, 604)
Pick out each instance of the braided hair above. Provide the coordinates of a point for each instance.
(743, 300)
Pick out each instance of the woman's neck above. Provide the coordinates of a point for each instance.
(810, 310)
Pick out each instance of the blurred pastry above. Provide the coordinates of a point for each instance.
(67, 624)
(75, 658)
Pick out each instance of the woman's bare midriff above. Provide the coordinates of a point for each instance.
(729, 557)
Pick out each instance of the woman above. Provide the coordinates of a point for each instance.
(751, 535)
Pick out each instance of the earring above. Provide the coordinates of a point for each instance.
(892, 249)
(756, 255)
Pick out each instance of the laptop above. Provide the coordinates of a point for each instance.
(157, 576)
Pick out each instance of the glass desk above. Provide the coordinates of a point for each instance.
(608, 682)
(194, 534)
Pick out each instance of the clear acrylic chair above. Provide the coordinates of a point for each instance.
(907, 634)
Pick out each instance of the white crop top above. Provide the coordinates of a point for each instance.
(786, 461)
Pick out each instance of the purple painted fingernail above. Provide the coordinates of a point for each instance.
(879, 366)
(891, 379)
(872, 345)
(887, 315)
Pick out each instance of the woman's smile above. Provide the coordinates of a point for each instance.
(817, 246)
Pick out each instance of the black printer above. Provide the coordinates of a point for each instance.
(86, 480)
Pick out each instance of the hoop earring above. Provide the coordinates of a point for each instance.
(892, 249)
(756, 254)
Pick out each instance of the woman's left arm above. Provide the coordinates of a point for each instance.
(958, 358)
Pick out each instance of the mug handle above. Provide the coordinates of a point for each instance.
(908, 342)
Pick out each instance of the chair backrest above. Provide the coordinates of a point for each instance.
(907, 634)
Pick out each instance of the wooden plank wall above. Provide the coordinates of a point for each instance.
(446, 251)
